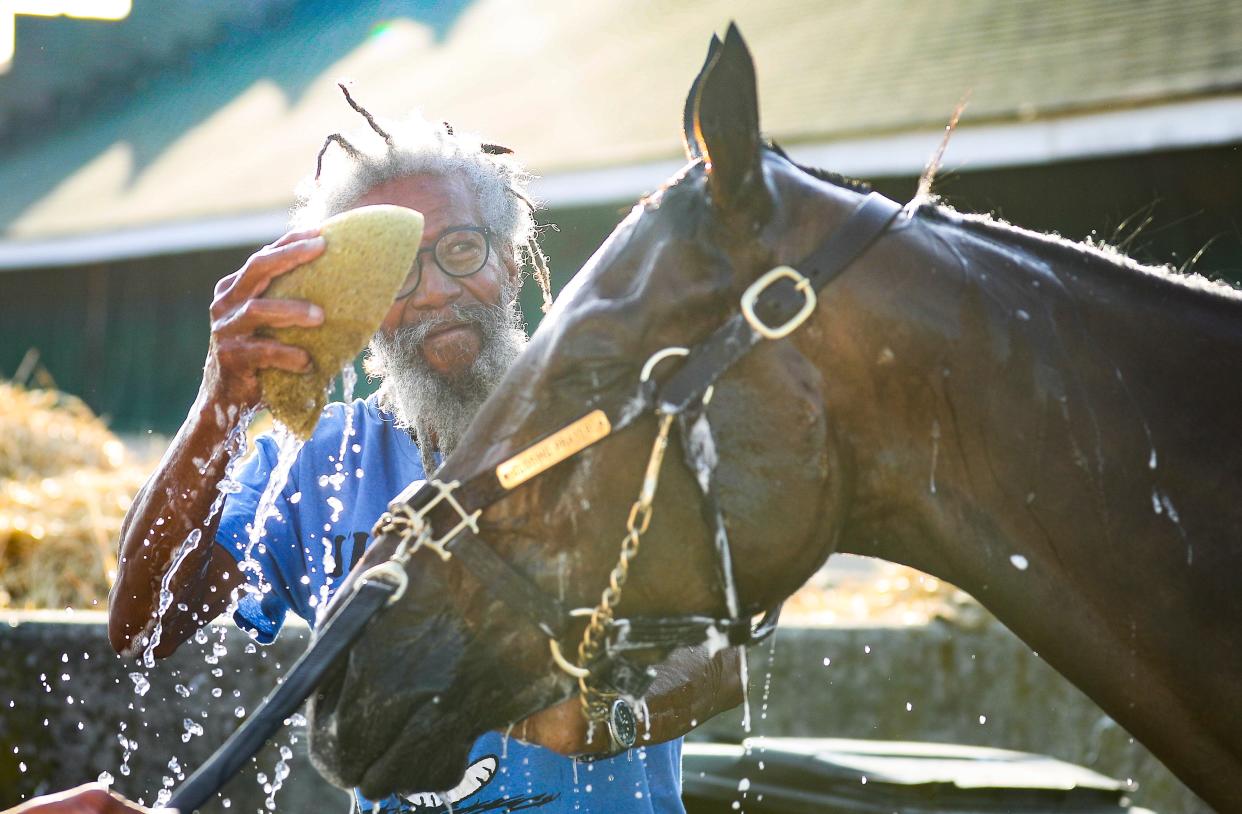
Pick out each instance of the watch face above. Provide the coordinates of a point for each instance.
(622, 723)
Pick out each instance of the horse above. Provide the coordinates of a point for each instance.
(1046, 424)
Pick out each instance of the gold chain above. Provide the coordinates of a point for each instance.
(594, 705)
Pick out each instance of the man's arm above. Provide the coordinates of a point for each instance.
(690, 687)
(179, 505)
(89, 799)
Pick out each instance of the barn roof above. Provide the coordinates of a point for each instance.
(202, 145)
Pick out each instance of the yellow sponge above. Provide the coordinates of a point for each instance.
(369, 252)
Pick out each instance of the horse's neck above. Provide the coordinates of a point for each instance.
(1055, 438)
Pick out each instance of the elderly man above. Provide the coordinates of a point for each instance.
(443, 346)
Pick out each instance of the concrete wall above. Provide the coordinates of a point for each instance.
(969, 686)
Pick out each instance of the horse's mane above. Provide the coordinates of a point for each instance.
(834, 178)
(1094, 255)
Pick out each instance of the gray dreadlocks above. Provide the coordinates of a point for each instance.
(415, 146)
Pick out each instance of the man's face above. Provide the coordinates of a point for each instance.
(446, 202)
(442, 350)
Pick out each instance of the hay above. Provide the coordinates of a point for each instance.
(65, 484)
(889, 595)
(369, 252)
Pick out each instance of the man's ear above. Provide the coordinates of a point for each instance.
(512, 265)
(726, 128)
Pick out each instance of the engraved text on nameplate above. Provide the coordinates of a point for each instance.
(555, 448)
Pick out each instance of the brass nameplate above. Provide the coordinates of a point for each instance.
(555, 448)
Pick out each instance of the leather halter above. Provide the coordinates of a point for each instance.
(773, 306)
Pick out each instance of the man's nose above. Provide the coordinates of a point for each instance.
(436, 290)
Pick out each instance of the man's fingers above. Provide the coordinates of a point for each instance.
(247, 353)
(267, 264)
(287, 238)
(292, 236)
(255, 314)
(91, 798)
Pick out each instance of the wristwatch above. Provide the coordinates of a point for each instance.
(622, 725)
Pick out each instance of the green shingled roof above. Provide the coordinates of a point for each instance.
(574, 85)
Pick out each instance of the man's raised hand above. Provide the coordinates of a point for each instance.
(237, 353)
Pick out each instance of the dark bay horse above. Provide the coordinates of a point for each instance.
(1047, 425)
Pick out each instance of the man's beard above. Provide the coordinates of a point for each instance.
(437, 407)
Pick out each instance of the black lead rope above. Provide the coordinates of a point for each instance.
(334, 639)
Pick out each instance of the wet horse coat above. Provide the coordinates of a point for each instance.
(1046, 425)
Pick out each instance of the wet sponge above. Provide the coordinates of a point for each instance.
(368, 253)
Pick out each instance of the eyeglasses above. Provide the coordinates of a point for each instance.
(459, 252)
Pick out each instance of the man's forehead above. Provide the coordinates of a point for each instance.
(444, 199)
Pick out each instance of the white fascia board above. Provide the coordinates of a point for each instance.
(144, 241)
(1197, 123)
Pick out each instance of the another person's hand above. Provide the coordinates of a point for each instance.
(92, 798)
(237, 353)
(564, 729)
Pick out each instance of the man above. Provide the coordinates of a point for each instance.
(443, 346)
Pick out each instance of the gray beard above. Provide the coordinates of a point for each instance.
(433, 405)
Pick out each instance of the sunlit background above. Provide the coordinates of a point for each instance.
(147, 148)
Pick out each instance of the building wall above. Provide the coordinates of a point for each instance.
(130, 337)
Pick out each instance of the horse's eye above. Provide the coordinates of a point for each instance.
(587, 379)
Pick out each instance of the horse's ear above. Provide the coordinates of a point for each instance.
(726, 127)
(693, 148)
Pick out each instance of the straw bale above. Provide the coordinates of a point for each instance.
(65, 484)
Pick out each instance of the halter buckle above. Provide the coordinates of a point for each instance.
(390, 572)
(756, 289)
(412, 524)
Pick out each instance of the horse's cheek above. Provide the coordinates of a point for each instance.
(775, 468)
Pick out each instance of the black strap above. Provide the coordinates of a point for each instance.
(777, 304)
(336, 636)
(508, 584)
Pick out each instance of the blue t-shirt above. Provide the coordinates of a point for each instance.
(319, 529)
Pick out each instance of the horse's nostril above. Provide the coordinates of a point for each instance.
(326, 696)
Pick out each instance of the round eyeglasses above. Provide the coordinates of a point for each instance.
(459, 252)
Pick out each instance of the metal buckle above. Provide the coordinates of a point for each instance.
(391, 572)
(415, 530)
(752, 293)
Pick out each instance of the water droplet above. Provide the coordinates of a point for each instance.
(983, 719)
(240, 712)
(743, 784)
(141, 685)
(1019, 562)
(106, 778)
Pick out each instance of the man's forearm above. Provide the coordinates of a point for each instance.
(173, 505)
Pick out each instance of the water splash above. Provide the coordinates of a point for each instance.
(279, 774)
(235, 445)
(745, 676)
(287, 447)
(349, 378)
(141, 684)
(192, 729)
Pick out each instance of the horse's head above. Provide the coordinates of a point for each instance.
(451, 661)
